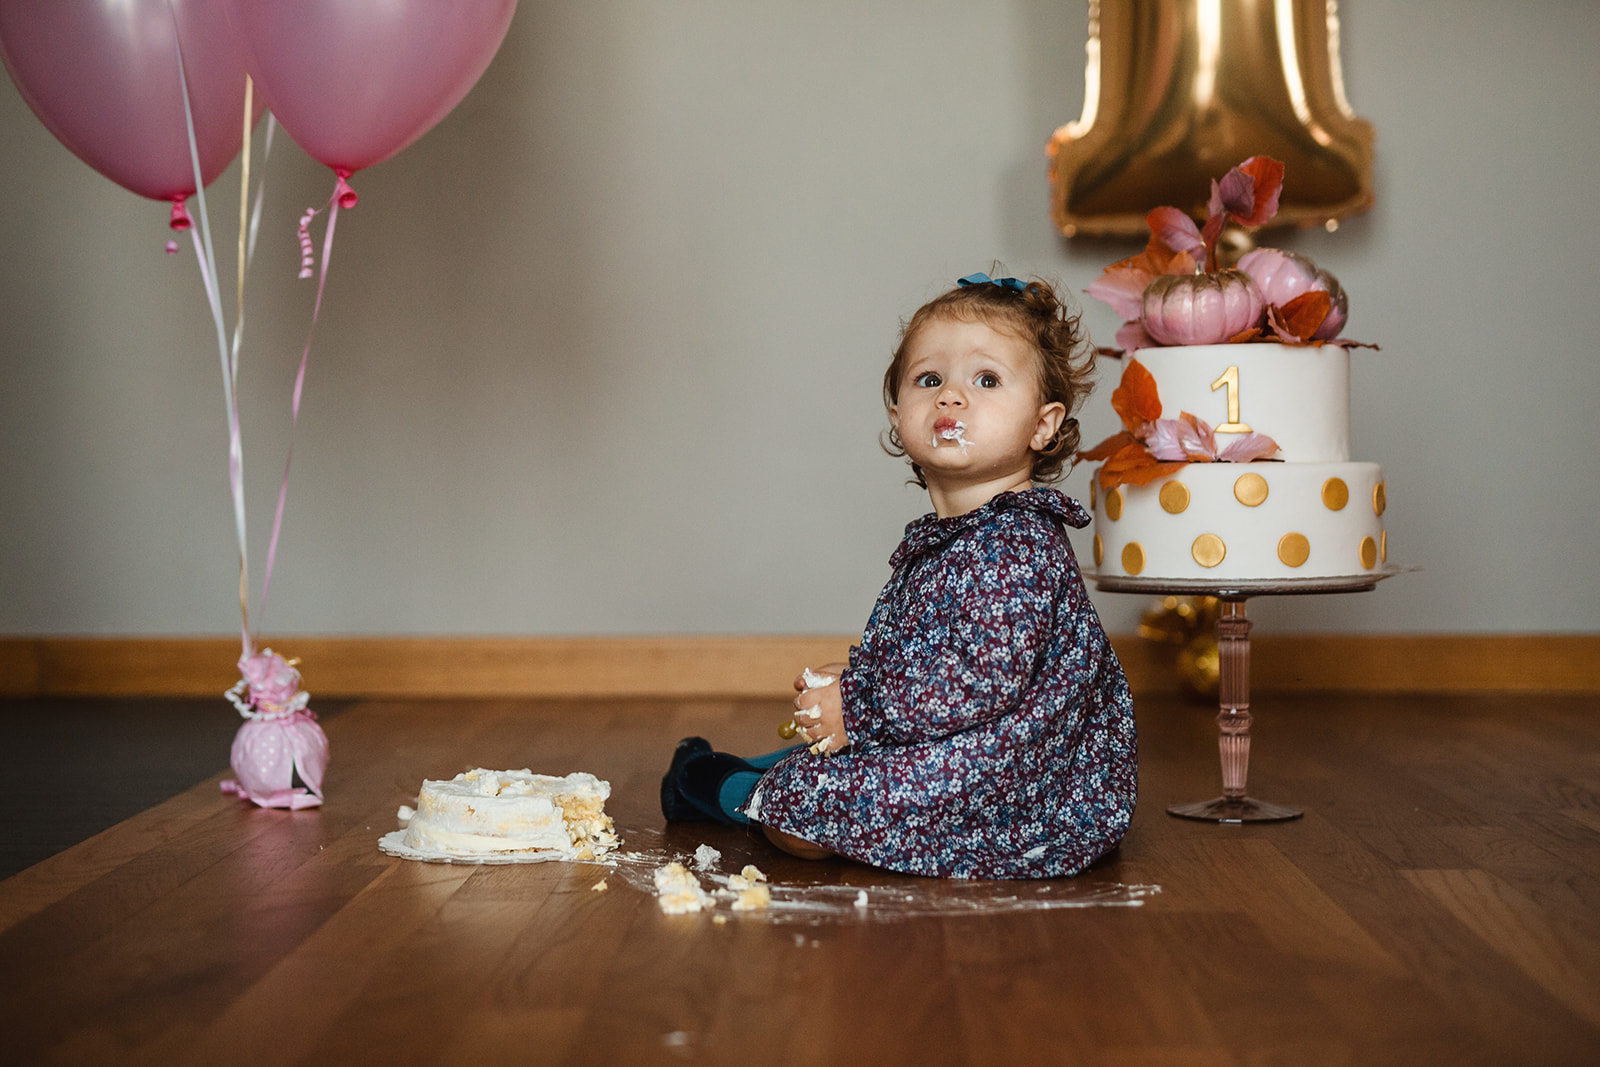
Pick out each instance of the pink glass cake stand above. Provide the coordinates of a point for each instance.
(1233, 654)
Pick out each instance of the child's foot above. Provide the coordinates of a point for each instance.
(700, 780)
(674, 805)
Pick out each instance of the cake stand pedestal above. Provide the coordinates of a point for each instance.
(1233, 654)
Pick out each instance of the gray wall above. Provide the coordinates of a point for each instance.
(601, 353)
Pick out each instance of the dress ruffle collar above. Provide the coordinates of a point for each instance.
(929, 532)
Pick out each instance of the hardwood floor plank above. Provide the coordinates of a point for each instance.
(1520, 932)
(1436, 904)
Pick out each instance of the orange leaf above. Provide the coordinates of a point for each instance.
(1135, 399)
(1302, 315)
(1109, 446)
(1133, 465)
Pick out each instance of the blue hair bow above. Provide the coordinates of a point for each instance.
(1013, 284)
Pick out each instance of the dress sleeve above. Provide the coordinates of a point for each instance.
(972, 641)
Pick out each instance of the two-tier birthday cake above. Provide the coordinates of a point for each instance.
(1234, 459)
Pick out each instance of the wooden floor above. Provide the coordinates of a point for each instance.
(1439, 903)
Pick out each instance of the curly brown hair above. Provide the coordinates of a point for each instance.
(1039, 318)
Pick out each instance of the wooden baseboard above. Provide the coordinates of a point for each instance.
(748, 666)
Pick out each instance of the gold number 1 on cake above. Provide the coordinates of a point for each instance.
(1230, 378)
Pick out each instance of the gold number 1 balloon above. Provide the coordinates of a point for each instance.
(1178, 91)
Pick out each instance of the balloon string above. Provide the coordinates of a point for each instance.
(207, 256)
(244, 207)
(338, 198)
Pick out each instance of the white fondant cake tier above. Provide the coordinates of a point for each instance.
(1245, 520)
(1297, 395)
(482, 811)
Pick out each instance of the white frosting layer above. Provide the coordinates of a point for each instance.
(1297, 395)
(1204, 515)
(482, 811)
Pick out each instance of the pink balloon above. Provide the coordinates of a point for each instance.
(102, 75)
(355, 81)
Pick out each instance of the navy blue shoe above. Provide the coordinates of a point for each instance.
(674, 805)
(699, 780)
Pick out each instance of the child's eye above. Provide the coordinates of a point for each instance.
(988, 379)
(927, 379)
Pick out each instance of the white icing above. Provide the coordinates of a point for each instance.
(1251, 535)
(813, 680)
(956, 433)
(706, 857)
(1297, 395)
(678, 892)
(482, 811)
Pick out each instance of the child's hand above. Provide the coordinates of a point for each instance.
(831, 671)
(819, 713)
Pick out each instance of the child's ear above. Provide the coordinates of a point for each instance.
(1050, 418)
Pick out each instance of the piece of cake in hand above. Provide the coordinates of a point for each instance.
(483, 812)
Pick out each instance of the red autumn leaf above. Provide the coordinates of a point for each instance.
(1267, 174)
(1135, 399)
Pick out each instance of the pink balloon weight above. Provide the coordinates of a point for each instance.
(355, 81)
(102, 75)
(269, 753)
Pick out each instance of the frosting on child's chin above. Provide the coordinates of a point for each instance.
(956, 433)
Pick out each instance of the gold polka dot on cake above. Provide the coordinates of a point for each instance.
(1174, 497)
(1208, 550)
(1250, 490)
(1335, 494)
(1133, 557)
(1383, 546)
(1379, 501)
(1094, 495)
(1369, 553)
(1099, 550)
(1114, 503)
(1294, 549)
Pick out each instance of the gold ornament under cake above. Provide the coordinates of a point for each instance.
(1335, 494)
(1369, 553)
(1133, 557)
(1294, 549)
(1379, 499)
(1250, 490)
(1114, 503)
(1208, 550)
(1174, 497)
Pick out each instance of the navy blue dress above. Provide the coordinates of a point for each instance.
(992, 727)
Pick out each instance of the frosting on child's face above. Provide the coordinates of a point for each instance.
(969, 405)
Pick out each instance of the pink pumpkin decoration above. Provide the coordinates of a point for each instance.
(1282, 276)
(1201, 309)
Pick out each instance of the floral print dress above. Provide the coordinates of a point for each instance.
(991, 724)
